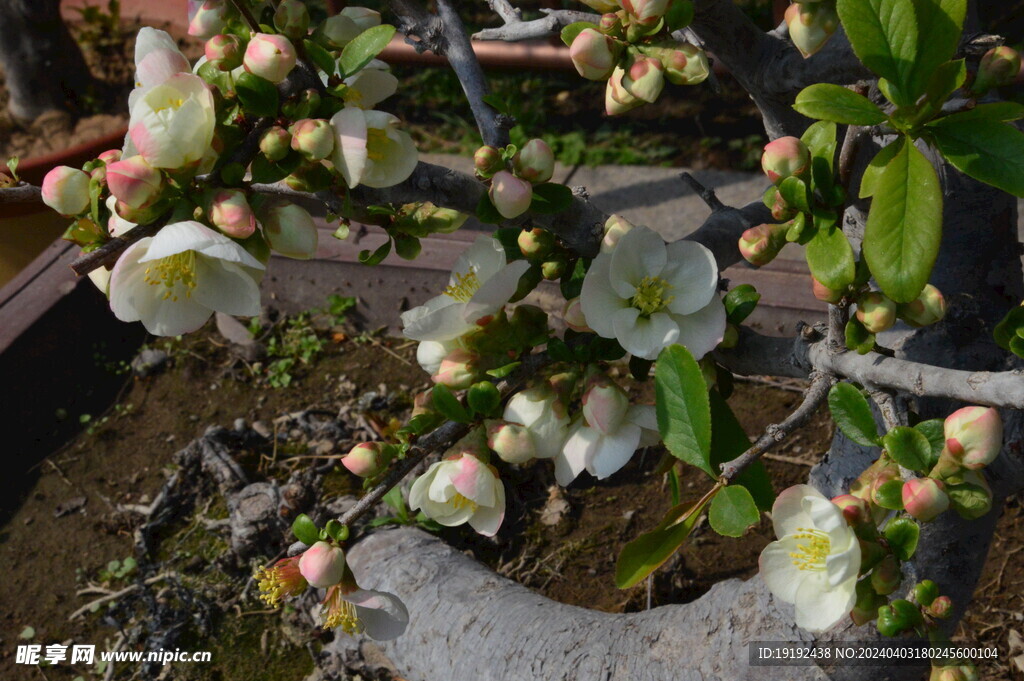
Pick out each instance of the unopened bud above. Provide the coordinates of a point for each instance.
(646, 11)
(617, 100)
(322, 564)
(776, 203)
(573, 315)
(488, 160)
(110, 156)
(811, 24)
(66, 190)
(855, 510)
(301, 105)
(785, 157)
(510, 194)
(998, 67)
(458, 370)
(824, 293)
(929, 308)
(269, 56)
(230, 212)
(368, 459)
(759, 245)
(610, 24)
(512, 442)
(644, 79)
(535, 162)
(313, 138)
(554, 268)
(595, 54)
(974, 436)
(292, 18)
(275, 143)
(941, 608)
(535, 243)
(422, 403)
(604, 404)
(615, 228)
(206, 18)
(224, 51)
(288, 229)
(876, 311)
(924, 498)
(134, 182)
(685, 64)
(885, 578)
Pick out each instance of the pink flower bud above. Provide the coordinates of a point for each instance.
(275, 143)
(924, 498)
(110, 156)
(206, 18)
(313, 138)
(230, 212)
(512, 442)
(998, 67)
(974, 436)
(535, 243)
(292, 18)
(610, 24)
(134, 182)
(645, 79)
(487, 160)
(646, 11)
(685, 64)
(824, 293)
(322, 565)
(224, 51)
(535, 162)
(855, 510)
(510, 195)
(616, 99)
(759, 245)
(604, 404)
(785, 157)
(66, 190)
(886, 577)
(941, 607)
(876, 312)
(269, 56)
(368, 459)
(594, 54)
(882, 468)
(810, 25)
(615, 227)
(573, 315)
(929, 308)
(288, 229)
(458, 370)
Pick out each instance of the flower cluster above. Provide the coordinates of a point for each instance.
(512, 172)
(633, 49)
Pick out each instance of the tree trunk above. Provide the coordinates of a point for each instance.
(42, 64)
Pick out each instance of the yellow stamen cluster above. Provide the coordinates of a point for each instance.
(280, 580)
(180, 267)
(811, 556)
(339, 613)
(650, 296)
(466, 285)
(460, 502)
(376, 144)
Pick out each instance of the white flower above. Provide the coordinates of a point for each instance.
(604, 453)
(172, 123)
(117, 225)
(430, 354)
(480, 284)
(379, 615)
(815, 561)
(543, 415)
(649, 295)
(370, 149)
(458, 490)
(157, 58)
(174, 281)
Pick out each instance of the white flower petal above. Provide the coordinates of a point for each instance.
(644, 337)
(788, 514)
(818, 610)
(843, 565)
(693, 274)
(575, 454)
(226, 287)
(702, 331)
(486, 257)
(777, 570)
(383, 615)
(350, 154)
(640, 253)
(494, 292)
(487, 519)
(614, 451)
(598, 300)
(441, 324)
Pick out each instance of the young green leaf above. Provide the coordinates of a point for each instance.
(449, 405)
(909, 448)
(869, 181)
(321, 57)
(740, 302)
(483, 398)
(305, 530)
(904, 227)
(939, 24)
(733, 511)
(859, 339)
(830, 258)
(836, 103)
(884, 35)
(852, 414)
(377, 256)
(681, 402)
(985, 149)
(258, 95)
(902, 535)
(363, 48)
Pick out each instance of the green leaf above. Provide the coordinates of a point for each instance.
(375, 258)
(985, 149)
(858, 338)
(946, 79)
(740, 302)
(794, 191)
(909, 448)
(550, 198)
(489, 215)
(336, 530)
(483, 398)
(728, 440)
(852, 414)
(570, 32)
(904, 228)
(12, 165)
(829, 102)
(503, 371)
(933, 431)
(396, 501)
(884, 34)
(820, 138)
(996, 111)
(258, 95)
(363, 48)
(679, 15)
(869, 182)
(830, 258)
(305, 530)
(1006, 330)
(889, 495)
(684, 412)
(650, 550)
(446, 403)
(733, 511)
(902, 535)
(321, 57)
(572, 284)
(939, 23)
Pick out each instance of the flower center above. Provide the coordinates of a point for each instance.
(343, 614)
(650, 296)
(464, 287)
(169, 271)
(460, 502)
(376, 143)
(811, 556)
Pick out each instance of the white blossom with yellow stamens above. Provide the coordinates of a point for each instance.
(369, 148)
(458, 490)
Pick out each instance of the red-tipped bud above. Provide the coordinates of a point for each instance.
(458, 370)
(759, 245)
(269, 56)
(488, 160)
(685, 64)
(224, 51)
(134, 182)
(974, 436)
(610, 24)
(292, 18)
(554, 268)
(368, 459)
(924, 498)
(604, 404)
(206, 18)
(998, 67)
(66, 190)
(785, 157)
(855, 510)
(811, 24)
(422, 403)
(930, 307)
(322, 565)
(110, 156)
(275, 143)
(646, 11)
(644, 79)
(824, 293)
(512, 442)
(876, 312)
(616, 99)
(535, 162)
(595, 54)
(231, 213)
(510, 194)
(535, 243)
(313, 138)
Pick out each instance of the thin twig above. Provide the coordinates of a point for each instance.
(706, 194)
(243, 8)
(107, 254)
(774, 434)
(554, 21)
(505, 10)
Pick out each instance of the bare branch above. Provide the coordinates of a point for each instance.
(505, 10)
(22, 193)
(552, 24)
(107, 254)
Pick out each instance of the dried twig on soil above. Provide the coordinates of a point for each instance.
(117, 594)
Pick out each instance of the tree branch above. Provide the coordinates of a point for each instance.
(552, 24)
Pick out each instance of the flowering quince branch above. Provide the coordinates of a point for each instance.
(515, 29)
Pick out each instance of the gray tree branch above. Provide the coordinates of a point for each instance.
(551, 24)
